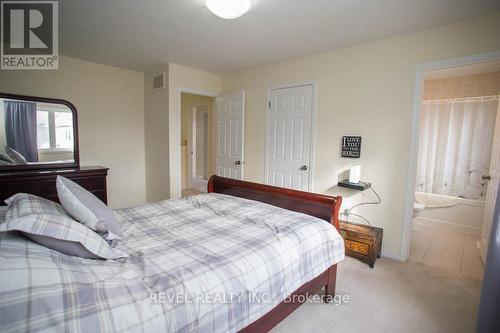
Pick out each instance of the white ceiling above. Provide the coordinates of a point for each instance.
(139, 34)
(481, 68)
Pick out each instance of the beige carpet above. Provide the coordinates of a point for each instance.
(392, 297)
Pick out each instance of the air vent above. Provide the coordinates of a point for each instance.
(159, 81)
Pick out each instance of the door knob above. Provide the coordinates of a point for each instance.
(303, 168)
(488, 177)
(237, 162)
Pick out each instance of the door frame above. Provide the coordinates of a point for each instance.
(415, 129)
(312, 152)
(178, 153)
(216, 114)
(484, 243)
(192, 144)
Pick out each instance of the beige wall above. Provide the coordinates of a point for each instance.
(110, 104)
(188, 100)
(185, 79)
(463, 86)
(3, 138)
(156, 137)
(365, 90)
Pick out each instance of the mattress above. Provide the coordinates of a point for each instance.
(206, 263)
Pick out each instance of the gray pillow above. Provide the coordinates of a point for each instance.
(48, 224)
(16, 156)
(87, 209)
(5, 163)
(74, 249)
(7, 158)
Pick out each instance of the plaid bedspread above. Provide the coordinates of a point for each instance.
(207, 263)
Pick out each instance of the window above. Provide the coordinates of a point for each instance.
(42, 132)
(54, 130)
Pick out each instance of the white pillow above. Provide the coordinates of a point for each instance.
(86, 208)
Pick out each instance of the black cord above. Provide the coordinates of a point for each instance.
(379, 201)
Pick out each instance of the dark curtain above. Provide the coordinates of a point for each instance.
(20, 128)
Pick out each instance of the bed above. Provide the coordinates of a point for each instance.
(224, 261)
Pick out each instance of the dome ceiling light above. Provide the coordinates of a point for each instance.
(228, 9)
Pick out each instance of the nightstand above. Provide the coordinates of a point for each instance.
(361, 241)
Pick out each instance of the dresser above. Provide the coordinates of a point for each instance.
(43, 182)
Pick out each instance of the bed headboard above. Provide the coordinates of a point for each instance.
(321, 206)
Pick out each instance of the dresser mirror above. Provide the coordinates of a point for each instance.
(37, 133)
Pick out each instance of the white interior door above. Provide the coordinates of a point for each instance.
(229, 127)
(289, 137)
(491, 193)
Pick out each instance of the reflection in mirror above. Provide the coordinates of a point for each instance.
(34, 133)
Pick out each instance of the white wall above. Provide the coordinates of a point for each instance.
(110, 104)
(156, 137)
(362, 90)
(3, 138)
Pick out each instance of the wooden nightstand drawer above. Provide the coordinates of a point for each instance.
(358, 247)
(362, 241)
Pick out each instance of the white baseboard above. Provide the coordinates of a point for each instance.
(391, 255)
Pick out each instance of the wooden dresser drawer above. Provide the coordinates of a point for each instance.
(43, 183)
(89, 183)
(9, 189)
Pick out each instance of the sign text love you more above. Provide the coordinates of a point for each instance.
(351, 146)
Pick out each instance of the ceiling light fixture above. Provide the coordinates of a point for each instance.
(228, 9)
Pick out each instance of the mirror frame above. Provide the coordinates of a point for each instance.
(41, 166)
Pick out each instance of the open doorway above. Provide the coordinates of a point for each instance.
(457, 167)
(197, 149)
(211, 139)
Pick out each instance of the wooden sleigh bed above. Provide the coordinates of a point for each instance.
(321, 206)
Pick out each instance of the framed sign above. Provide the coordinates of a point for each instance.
(351, 146)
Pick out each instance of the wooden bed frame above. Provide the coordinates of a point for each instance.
(321, 206)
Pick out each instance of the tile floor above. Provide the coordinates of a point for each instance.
(446, 247)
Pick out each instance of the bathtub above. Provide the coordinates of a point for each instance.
(466, 213)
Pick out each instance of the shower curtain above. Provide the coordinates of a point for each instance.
(456, 138)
